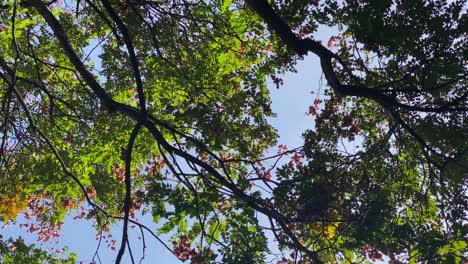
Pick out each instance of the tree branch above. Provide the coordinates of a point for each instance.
(128, 190)
(131, 51)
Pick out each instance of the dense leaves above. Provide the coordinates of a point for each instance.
(161, 107)
(16, 251)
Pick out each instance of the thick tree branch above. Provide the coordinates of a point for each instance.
(303, 46)
(300, 46)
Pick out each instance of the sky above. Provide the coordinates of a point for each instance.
(290, 102)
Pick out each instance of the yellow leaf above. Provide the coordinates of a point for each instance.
(330, 231)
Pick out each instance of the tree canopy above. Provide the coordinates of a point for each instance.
(110, 108)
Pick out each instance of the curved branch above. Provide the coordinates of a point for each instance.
(303, 46)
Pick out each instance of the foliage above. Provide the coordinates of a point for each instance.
(161, 107)
(16, 251)
(12, 201)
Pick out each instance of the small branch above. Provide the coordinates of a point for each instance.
(144, 244)
(96, 252)
(130, 251)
